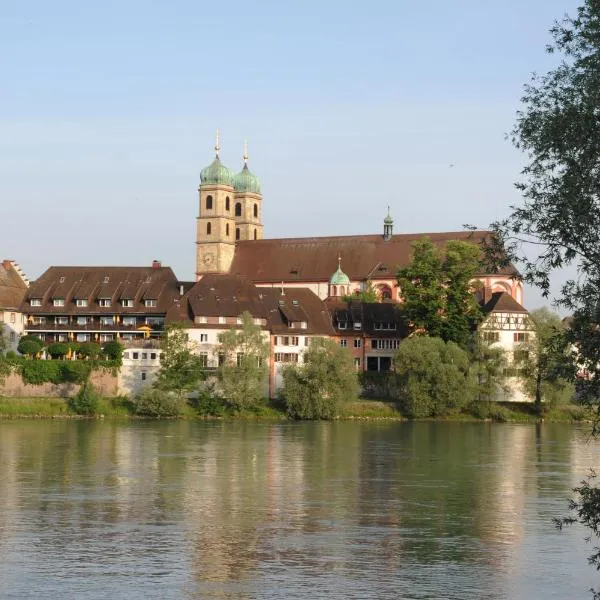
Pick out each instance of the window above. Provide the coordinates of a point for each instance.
(204, 337)
(62, 337)
(61, 320)
(106, 320)
(58, 301)
(357, 343)
(342, 325)
(357, 363)
(82, 320)
(239, 358)
(61, 279)
(126, 355)
(237, 233)
(35, 302)
(126, 303)
(155, 321)
(384, 326)
(106, 279)
(135, 355)
(106, 337)
(238, 209)
(208, 228)
(286, 357)
(150, 303)
(201, 320)
(83, 337)
(129, 321)
(209, 202)
(221, 359)
(13, 336)
(105, 302)
(521, 337)
(357, 326)
(227, 229)
(256, 211)
(344, 343)
(152, 355)
(521, 355)
(227, 203)
(13, 317)
(221, 320)
(390, 344)
(81, 302)
(203, 359)
(307, 341)
(294, 341)
(144, 355)
(143, 374)
(255, 235)
(39, 320)
(490, 336)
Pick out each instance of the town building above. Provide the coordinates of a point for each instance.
(13, 288)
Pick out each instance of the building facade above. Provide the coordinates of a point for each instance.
(13, 288)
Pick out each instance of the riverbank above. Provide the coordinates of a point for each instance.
(121, 408)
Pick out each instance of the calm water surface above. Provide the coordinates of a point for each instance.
(306, 510)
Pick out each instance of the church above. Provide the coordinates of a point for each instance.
(230, 240)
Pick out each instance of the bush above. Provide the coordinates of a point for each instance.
(11, 356)
(30, 345)
(40, 371)
(74, 371)
(208, 402)
(90, 350)
(152, 402)
(113, 351)
(58, 350)
(86, 401)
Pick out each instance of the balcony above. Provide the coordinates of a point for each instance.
(94, 326)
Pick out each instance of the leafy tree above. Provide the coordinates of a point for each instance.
(58, 350)
(437, 290)
(489, 369)
(244, 371)
(90, 350)
(30, 345)
(86, 401)
(369, 295)
(113, 351)
(318, 388)
(434, 376)
(544, 362)
(181, 370)
(155, 402)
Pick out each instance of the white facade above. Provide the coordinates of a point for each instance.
(12, 324)
(141, 363)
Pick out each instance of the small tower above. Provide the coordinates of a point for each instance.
(339, 282)
(248, 203)
(215, 233)
(388, 226)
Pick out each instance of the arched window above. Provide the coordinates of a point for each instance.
(238, 209)
(334, 290)
(256, 210)
(208, 229)
(227, 203)
(237, 233)
(227, 229)
(208, 202)
(342, 290)
(255, 235)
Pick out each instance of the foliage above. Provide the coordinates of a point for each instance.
(113, 351)
(489, 369)
(434, 376)
(207, 402)
(58, 350)
(86, 401)
(320, 387)
(30, 345)
(369, 295)
(3, 340)
(437, 290)
(40, 371)
(544, 361)
(155, 402)
(89, 350)
(378, 385)
(181, 370)
(244, 371)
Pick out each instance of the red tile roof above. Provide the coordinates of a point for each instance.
(503, 302)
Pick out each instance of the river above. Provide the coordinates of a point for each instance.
(105, 509)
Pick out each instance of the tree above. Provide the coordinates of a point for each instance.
(319, 387)
(113, 351)
(181, 369)
(369, 295)
(437, 291)
(544, 362)
(489, 369)
(243, 372)
(30, 345)
(434, 376)
(58, 350)
(90, 350)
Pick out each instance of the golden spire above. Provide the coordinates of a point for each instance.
(245, 157)
(218, 144)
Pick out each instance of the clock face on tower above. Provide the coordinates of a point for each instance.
(208, 258)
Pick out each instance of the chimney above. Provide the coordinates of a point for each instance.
(156, 264)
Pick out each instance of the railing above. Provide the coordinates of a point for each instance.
(88, 327)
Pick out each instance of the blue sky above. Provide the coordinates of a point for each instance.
(108, 112)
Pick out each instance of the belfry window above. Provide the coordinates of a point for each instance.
(208, 228)
(227, 203)
(227, 229)
(237, 233)
(208, 202)
(255, 235)
(238, 209)
(256, 211)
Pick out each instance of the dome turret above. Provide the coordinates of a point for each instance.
(216, 173)
(388, 226)
(339, 277)
(245, 181)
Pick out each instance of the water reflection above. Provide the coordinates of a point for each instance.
(246, 510)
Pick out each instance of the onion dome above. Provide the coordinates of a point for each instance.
(216, 173)
(339, 277)
(245, 181)
(388, 220)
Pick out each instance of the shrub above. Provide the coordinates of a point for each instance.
(74, 371)
(86, 401)
(113, 351)
(208, 402)
(11, 356)
(90, 350)
(30, 345)
(58, 350)
(152, 402)
(40, 371)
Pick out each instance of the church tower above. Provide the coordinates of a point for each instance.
(248, 204)
(216, 224)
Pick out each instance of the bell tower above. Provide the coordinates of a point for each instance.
(215, 224)
(248, 204)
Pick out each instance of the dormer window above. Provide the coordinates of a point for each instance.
(35, 302)
(61, 279)
(81, 302)
(357, 325)
(106, 279)
(150, 303)
(104, 302)
(58, 301)
(295, 302)
(342, 325)
(126, 303)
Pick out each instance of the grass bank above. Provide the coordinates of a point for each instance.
(122, 408)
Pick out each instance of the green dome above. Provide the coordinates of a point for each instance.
(388, 220)
(216, 174)
(339, 278)
(245, 181)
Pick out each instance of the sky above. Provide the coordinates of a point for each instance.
(108, 112)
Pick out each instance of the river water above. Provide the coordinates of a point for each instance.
(181, 509)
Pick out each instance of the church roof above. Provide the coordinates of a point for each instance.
(310, 259)
(503, 302)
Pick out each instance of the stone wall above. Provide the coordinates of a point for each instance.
(13, 386)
